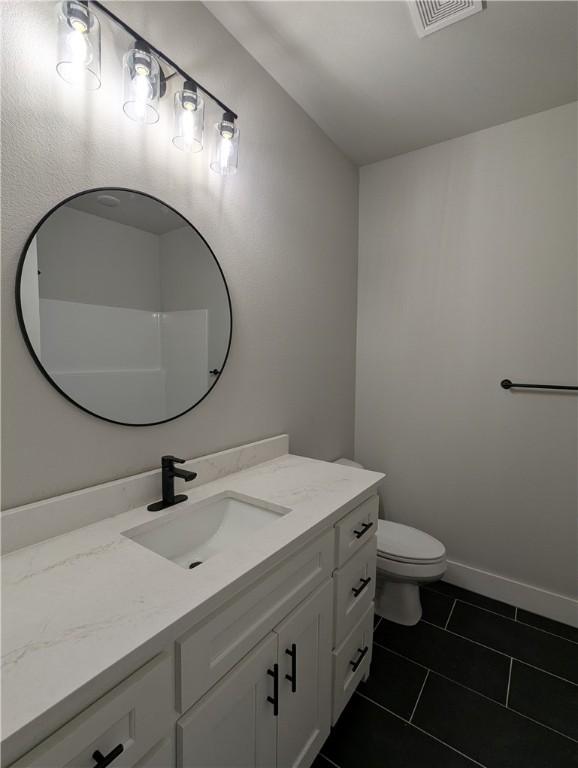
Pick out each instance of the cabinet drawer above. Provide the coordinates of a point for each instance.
(354, 589)
(136, 714)
(212, 648)
(355, 529)
(351, 662)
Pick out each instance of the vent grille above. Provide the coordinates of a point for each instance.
(431, 15)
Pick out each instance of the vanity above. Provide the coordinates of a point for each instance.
(228, 623)
(228, 630)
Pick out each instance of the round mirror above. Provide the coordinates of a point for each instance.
(124, 306)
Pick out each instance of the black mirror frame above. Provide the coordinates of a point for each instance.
(20, 314)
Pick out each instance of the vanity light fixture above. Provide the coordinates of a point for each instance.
(189, 118)
(78, 45)
(226, 148)
(144, 82)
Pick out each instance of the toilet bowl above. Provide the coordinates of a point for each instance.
(406, 558)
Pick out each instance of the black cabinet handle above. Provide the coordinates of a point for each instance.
(274, 673)
(364, 528)
(101, 761)
(357, 662)
(358, 590)
(293, 676)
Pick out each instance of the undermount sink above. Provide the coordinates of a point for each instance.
(194, 532)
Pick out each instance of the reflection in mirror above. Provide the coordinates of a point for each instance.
(124, 306)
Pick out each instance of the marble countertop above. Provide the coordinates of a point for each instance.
(77, 606)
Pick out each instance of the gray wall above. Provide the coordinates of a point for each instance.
(85, 258)
(468, 275)
(190, 279)
(284, 230)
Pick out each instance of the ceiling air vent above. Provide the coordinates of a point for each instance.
(431, 15)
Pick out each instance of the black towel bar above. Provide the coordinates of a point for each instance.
(507, 384)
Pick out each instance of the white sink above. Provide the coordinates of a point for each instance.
(194, 532)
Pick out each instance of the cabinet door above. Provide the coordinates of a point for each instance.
(233, 725)
(305, 679)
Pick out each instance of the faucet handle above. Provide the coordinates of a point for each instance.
(170, 460)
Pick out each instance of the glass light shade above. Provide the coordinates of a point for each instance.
(141, 86)
(189, 121)
(78, 45)
(225, 158)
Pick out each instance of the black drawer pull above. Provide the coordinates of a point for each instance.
(358, 590)
(101, 761)
(364, 528)
(293, 676)
(274, 673)
(357, 662)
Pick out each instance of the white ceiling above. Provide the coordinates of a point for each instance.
(362, 73)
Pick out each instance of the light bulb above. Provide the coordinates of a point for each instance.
(80, 49)
(78, 45)
(142, 84)
(226, 150)
(188, 119)
(142, 92)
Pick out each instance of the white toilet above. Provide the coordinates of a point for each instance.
(406, 558)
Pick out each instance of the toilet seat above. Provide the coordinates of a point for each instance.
(403, 544)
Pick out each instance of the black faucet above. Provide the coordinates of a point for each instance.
(169, 473)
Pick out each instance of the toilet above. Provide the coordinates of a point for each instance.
(406, 558)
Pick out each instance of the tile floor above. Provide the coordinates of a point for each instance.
(476, 682)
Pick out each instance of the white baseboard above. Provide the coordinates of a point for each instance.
(550, 604)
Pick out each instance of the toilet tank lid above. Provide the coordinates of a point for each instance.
(404, 543)
(348, 463)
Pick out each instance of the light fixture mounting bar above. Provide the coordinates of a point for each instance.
(137, 36)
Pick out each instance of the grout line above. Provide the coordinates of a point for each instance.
(401, 656)
(545, 672)
(515, 619)
(463, 637)
(378, 623)
(502, 616)
(472, 690)
(543, 725)
(545, 632)
(501, 653)
(328, 760)
(457, 751)
(509, 681)
(419, 696)
(486, 610)
(450, 614)
(467, 602)
(417, 727)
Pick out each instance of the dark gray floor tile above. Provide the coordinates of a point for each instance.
(435, 606)
(459, 659)
(547, 699)
(367, 736)
(548, 625)
(445, 588)
(525, 643)
(489, 733)
(376, 620)
(393, 682)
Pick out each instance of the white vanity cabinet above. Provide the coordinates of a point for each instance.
(273, 708)
(257, 683)
(126, 726)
